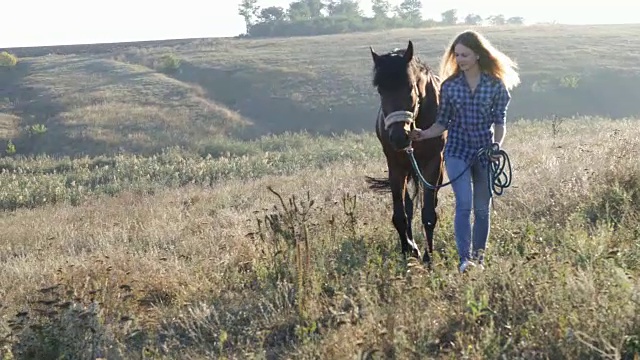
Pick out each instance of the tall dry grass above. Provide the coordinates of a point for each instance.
(231, 271)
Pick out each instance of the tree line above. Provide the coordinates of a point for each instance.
(322, 17)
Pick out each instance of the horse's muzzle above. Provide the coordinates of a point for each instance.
(399, 137)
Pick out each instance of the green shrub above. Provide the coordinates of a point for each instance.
(8, 60)
(168, 64)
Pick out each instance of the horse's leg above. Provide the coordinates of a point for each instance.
(434, 175)
(398, 182)
(408, 209)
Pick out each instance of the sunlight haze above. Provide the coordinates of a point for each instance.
(38, 22)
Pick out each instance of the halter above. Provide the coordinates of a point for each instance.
(400, 116)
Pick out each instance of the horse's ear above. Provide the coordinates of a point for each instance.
(374, 55)
(408, 54)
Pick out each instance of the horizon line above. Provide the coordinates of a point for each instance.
(240, 36)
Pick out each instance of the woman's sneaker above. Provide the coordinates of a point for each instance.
(465, 265)
(478, 258)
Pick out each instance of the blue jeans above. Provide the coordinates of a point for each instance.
(471, 191)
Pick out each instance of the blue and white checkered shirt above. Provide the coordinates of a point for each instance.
(468, 117)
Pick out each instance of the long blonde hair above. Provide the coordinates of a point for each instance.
(491, 61)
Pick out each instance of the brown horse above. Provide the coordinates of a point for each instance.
(409, 98)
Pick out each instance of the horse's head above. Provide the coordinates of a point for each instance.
(397, 78)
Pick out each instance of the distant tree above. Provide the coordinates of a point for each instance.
(410, 10)
(473, 19)
(349, 8)
(298, 11)
(272, 14)
(305, 9)
(515, 20)
(315, 7)
(380, 8)
(319, 17)
(450, 17)
(496, 19)
(248, 9)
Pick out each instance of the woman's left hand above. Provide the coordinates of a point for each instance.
(495, 158)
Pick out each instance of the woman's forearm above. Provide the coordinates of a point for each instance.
(499, 133)
(434, 130)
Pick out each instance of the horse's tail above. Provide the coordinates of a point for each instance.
(379, 184)
(413, 177)
(384, 186)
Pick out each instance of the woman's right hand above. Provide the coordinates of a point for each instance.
(416, 134)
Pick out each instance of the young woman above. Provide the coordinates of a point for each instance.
(474, 97)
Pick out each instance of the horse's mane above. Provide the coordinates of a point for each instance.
(392, 73)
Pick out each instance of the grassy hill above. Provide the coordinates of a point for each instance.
(92, 105)
(111, 97)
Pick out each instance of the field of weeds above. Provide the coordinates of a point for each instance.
(181, 256)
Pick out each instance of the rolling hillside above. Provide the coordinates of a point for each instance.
(93, 105)
(108, 97)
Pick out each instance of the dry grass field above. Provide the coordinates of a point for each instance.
(222, 269)
(139, 224)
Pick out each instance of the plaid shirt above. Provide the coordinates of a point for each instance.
(468, 118)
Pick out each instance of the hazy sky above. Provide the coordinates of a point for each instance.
(45, 22)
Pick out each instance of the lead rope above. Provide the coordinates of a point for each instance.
(498, 178)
